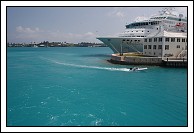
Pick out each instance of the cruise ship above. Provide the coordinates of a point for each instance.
(132, 39)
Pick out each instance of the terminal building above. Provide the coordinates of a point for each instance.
(166, 44)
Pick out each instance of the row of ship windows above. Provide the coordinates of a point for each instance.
(158, 18)
(166, 39)
(133, 36)
(170, 18)
(130, 40)
(142, 24)
(159, 47)
(127, 40)
(136, 31)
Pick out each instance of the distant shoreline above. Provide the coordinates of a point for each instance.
(56, 44)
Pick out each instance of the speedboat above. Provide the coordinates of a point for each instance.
(137, 69)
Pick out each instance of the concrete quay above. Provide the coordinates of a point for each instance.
(139, 59)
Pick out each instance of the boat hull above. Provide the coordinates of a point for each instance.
(123, 44)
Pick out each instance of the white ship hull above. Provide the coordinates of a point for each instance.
(132, 39)
(123, 44)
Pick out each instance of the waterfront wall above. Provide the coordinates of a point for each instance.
(115, 57)
(143, 60)
(136, 60)
(173, 63)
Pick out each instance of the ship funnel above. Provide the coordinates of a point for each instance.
(180, 15)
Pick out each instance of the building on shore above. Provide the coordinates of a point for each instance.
(166, 44)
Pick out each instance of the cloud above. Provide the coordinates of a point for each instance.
(141, 18)
(27, 33)
(27, 30)
(36, 34)
(120, 14)
(116, 12)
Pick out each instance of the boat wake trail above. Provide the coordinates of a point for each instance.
(85, 66)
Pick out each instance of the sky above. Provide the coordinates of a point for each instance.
(77, 24)
(72, 24)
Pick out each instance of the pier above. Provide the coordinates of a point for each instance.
(181, 62)
(138, 59)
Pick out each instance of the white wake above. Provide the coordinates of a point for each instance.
(85, 66)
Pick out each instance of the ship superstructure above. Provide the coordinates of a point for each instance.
(132, 39)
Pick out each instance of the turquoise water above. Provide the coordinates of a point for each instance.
(78, 87)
